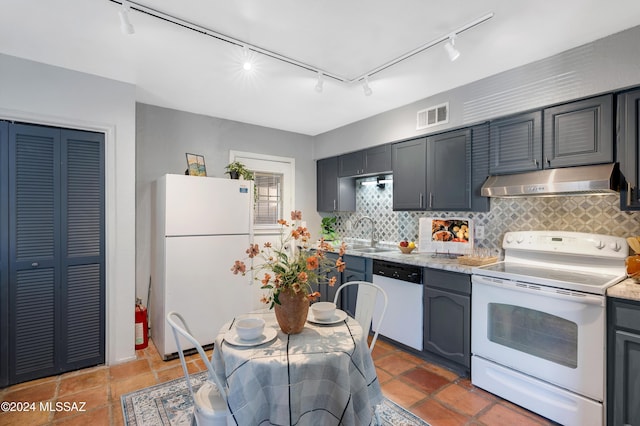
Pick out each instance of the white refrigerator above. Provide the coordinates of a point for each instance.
(202, 225)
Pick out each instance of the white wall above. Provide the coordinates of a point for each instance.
(38, 93)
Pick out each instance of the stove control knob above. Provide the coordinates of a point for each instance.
(614, 246)
(519, 239)
(509, 239)
(599, 245)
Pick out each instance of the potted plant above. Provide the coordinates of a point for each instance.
(237, 169)
(294, 267)
(328, 229)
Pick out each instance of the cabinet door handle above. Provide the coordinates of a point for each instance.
(421, 199)
(431, 200)
(334, 204)
(35, 264)
(548, 161)
(535, 162)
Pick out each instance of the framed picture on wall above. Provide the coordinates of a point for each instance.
(195, 165)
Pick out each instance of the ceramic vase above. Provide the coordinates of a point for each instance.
(291, 313)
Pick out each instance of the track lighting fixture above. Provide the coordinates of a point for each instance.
(247, 64)
(450, 48)
(365, 87)
(320, 83)
(125, 24)
(127, 28)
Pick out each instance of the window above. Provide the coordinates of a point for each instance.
(274, 189)
(268, 201)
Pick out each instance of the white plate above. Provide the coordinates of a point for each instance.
(339, 316)
(268, 335)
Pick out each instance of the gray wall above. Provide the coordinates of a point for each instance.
(604, 65)
(163, 136)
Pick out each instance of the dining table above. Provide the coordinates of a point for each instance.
(322, 376)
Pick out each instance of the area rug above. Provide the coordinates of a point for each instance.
(170, 404)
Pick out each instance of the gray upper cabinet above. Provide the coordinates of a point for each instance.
(333, 193)
(368, 161)
(579, 133)
(409, 162)
(629, 148)
(449, 171)
(516, 143)
(443, 172)
(573, 134)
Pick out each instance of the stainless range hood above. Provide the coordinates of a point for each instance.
(582, 180)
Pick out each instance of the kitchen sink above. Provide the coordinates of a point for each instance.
(368, 249)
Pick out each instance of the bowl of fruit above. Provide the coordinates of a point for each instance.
(406, 247)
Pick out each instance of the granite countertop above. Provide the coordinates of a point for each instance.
(418, 259)
(627, 289)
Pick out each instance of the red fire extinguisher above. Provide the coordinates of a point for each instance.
(142, 326)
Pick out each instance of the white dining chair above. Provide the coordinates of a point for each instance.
(210, 401)
(368, 293)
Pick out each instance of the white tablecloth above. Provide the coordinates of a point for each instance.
(322, 376)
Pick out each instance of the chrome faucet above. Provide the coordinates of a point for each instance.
(373, 228)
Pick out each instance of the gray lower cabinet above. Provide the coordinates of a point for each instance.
(447, 316)
(628, 148)
(333, 193)
(357, 269)
(623, 388)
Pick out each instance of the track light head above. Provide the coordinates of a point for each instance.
(365, 87)
(450, 48)
(247, 62)
(125, 25)
(320, 83)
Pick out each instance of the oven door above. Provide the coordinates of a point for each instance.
(554, 335)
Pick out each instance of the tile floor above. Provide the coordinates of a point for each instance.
(437, 395)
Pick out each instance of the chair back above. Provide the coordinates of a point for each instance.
(210, 404)
(369, 296)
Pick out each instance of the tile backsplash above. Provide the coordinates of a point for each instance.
(599, 214)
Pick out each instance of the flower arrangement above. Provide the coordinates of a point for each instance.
(293, 264)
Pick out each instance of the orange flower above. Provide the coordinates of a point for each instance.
(239, 266)
(267, 245)
(343, 249)
(332, 281)
(303, 277)
(266, 279)
(296, 287)
(312, 263)
(295, 234)
(266, 300)
(253, 250)
(314, 295)
(282, 222)
(340, 265)
(296, 215)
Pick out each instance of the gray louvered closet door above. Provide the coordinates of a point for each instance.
(56, 251)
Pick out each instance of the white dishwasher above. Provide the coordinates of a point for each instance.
(403, 320)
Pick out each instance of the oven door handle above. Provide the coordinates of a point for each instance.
(543, 291)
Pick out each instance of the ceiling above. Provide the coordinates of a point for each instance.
(179, 68)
